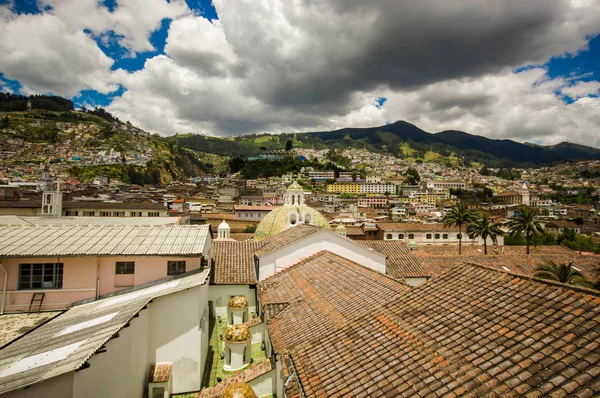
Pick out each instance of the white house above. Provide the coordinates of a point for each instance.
(431, 234)
(106, 347)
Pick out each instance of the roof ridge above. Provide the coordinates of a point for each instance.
(321, 252)
(580, 289)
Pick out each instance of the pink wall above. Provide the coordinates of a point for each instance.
(79, 282)
(147, 269)
(79, 278)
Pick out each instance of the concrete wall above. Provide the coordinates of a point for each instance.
(177, 336)
(122, 370)
(79, 282)
(421, 238)
(415, 281)
(56, 387)
(147, 269)
(79, 277)
(220, 295)
(287, 256)
(265, 385)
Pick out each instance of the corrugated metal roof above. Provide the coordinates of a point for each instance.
(66, 342)
(30, 220)
(86, 240)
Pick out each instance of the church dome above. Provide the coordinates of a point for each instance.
(238, 302)
(295, 186)
(238, 390)
(237, 334)
(294, 212)
(223, 225)
(286, 217)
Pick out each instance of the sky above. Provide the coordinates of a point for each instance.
(507, 69)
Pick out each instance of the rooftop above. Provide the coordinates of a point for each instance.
(234, 262)
(438, 259)
(13, 326)
(66, 342)
(474, 331)
(107, 221)
(84, 240)
(400, 262)
(321, 293)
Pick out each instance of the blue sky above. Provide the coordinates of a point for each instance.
(264, 68)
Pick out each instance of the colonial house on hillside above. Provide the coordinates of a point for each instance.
(430, 234)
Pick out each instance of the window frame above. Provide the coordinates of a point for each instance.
(428, 236)
(411, 236)
(174, 265)
(56, 273)
(126, 265)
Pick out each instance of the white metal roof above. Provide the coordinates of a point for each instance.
(66, 342)
(108, 221)
(86, 240)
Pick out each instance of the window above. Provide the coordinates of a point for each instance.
(72, 213)
(437, 236)
(401, 236)
(411, 236)
(153, 214)
(428, 236)
(105, 214)
(471, 236)
(388, 236)
(89, 213)
(118, 214)
(445, 236)
(458, 236)
(175, 267)
(40, 276)
(135, 214)
(125, 267)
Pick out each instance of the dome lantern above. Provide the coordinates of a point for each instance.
(237, 310)
(238, 340)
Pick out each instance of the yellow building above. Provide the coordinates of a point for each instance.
(350, 187)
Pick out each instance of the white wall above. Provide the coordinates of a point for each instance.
(176, 336)
(56, 387)
(421, 238)
(415, 281)
(121, 371)
(265, 385)
(323, 240)
(258, 333)
(220, 295)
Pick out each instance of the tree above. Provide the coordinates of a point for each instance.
(289, 145)
(526, 224)
(459, 215)
(564, 273)
(412, 176)
(486, 228)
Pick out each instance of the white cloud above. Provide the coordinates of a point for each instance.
(132, 21)
(44, 55)
(582, 89)
(298, 65)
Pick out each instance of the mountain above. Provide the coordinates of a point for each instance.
(90, 144)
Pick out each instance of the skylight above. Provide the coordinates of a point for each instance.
(87, 324)
(45, 358)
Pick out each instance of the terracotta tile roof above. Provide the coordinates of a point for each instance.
(400, 262)
(439, 259)
(323, 292)
(234, 262)
(416, 227)
(160, 372)
(286, 237)
(354, 231)
(245, 376)
(475, 331)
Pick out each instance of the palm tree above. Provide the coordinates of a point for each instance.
(527, 224)
(486, 228)
(564, 273)
(459, 215)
